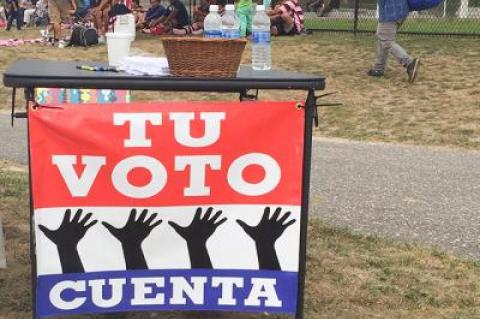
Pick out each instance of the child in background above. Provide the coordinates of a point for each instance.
(244, 13)
(155, 11)
(199, 14)
(83, 8)
(138, 11)
(287, 18)
(27, 14)
(40, 16)
(176, 17)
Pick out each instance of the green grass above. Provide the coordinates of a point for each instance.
(349, 276)
(448, 25)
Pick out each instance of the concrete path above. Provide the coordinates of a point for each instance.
(410, 193)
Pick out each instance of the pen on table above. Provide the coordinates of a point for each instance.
(86, 67)
(96, 68)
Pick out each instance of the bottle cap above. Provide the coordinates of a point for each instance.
(213, 8)
(230, 7)
(260, 7)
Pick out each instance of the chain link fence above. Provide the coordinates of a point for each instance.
(452, 17)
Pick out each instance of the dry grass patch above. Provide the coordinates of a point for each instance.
(348, 277)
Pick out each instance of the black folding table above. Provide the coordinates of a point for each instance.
(31, 74)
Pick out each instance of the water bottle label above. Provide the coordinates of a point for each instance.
(212, 34)
(231, 34)
(261, 37)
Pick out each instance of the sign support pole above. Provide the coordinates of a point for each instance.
(307, 154)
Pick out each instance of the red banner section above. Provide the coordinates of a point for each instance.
(167, 154)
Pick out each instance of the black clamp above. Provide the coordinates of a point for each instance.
(246, 96)
(317, 105)
(29, 97)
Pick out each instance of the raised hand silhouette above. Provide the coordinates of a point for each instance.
(67, 236)
(132, 235)
(196, 235)
(265, 234)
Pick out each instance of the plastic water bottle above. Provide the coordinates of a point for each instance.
(212, 25)
(230, 23)
(267, 4)
(261, 51)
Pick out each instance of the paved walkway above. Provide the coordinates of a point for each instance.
(410, 193)
(405, 192)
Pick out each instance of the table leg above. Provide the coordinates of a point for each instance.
(245, 96)
(310, 106)
(14, 95)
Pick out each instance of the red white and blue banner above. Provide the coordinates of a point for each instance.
(167, 206)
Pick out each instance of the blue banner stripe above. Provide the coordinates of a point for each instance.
(157, 290)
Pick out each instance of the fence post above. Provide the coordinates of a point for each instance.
(355, 18)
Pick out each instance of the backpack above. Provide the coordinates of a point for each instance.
(419, 5)
(83, 36)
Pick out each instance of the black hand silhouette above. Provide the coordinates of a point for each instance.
(196, 235)
(67, 237)
(265, 234)
(132, 235)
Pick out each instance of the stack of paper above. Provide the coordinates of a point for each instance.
(141, 65)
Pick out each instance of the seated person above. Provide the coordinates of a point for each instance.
(118, 9)
(83, 8)
(155, 11)
(199, 14)
(40, 16)
(138, 11)
(287, 18)
(176, 16)
(28, 13)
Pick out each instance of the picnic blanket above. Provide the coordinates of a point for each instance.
(20, 42)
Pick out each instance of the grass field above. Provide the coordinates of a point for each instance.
(441, 108)
(440, 25)
(348, 277)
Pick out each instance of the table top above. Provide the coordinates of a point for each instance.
(64, 74)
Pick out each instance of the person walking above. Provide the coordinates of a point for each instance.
(391, 15)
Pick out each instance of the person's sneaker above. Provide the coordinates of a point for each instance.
(62, 44)
(374, 72)
(52, 41)
(412, 70)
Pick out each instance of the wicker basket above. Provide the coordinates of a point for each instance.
(203, 57)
